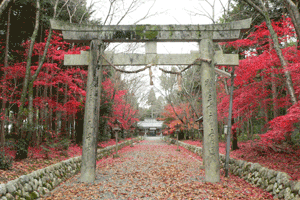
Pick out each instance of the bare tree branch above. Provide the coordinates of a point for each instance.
(147, 14)
(204, 11)
(55, 7)
(129, 10)
(255, 7)
(87, 11)
(3, 6)
(111, 2)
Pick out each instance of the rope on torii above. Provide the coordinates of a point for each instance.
(179, 74)
(131, 72)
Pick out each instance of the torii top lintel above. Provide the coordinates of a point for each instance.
(159, 33)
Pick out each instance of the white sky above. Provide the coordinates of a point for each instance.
(169, 12)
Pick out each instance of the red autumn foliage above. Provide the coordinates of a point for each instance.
(57, 89)
(171, 120)
(63, 81)
(254, 78)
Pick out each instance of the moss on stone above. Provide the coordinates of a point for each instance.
(171, 29)
(33, 195)
(199, 34)
(139, 30)
(146, 34)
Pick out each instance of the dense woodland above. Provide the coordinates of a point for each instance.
(42, 101)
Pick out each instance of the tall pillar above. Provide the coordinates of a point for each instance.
(209, 103)
(91, 114)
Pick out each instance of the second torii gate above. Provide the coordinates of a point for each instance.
(204, 34)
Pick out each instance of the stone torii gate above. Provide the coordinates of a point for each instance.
(204, 34)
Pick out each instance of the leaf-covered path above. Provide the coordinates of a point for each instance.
(153, 169)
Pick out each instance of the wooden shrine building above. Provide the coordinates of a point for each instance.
(151, 127)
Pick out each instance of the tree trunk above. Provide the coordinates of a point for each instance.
(30, 111)
(112, 135)
(58, 121)
(3, 6)
(5, 65)
(116, 135)
(180, 135)
(64, 122)
(53, 121)
(295, 16)
(234, 140)
(234, 145)
(251, 127)
(230, 120)
(273, 82)
(23, 142)
(57, 113)
(73, 127)
(79, 126)
(264, 104)
(46, 113)
(50, 118)
(36, 132)
(28, 66)
(248, 129)
(274, 94)
(105, 130)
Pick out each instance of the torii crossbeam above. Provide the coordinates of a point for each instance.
(159, 33)
(124, 59)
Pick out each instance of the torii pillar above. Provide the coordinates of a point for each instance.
(209, 106)
(91, 113)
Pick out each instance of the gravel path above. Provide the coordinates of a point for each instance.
(153, 169)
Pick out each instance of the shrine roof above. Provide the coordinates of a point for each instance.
(150, 123)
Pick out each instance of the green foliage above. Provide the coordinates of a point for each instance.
(5, 161)
(60, 143)
(22, 149)
(295, 137)
(244, 137)
(46, 150)
(64, 144)
(241, 10)
(102, 136)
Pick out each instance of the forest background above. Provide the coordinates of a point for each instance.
(42, 101)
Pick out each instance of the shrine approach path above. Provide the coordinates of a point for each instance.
(152, 169)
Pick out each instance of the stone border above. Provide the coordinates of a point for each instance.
(40, 182)
(276, 182)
